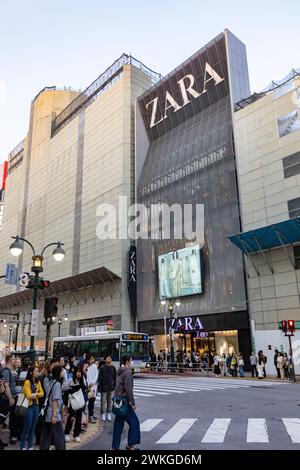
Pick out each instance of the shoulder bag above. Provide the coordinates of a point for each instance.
(22, 405)
(77, 400)
(119, 406)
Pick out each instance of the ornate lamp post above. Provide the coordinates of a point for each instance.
(16, 248)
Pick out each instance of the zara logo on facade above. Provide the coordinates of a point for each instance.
(187, 323)
(187, 91)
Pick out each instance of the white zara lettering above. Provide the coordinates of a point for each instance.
(187, 91)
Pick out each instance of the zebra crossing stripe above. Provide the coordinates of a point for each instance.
(292, 426)
(179, 429)
(150, 424)
(163, 389)
(217, 430)
(257, 430)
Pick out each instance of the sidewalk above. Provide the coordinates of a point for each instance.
(89, 434)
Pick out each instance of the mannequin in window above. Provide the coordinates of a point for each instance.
(195, 271)
(175, 274)
(164, 286)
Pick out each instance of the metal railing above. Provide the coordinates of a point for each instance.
(178, 367)
(105, 80)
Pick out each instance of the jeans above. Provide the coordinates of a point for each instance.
(29, 425)
(134, 435)
(254, 370)
(91, 406)
(241, 371)
(53, 432)
(77, 426)
(106, 402)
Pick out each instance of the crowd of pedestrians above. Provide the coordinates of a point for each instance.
(49, 404)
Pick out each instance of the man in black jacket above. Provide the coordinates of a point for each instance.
(107, 381)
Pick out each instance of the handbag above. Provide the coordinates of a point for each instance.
(77, 400)
(119, 406)
(91, 393)
(22, 405)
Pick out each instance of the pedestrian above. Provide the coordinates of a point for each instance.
(107, 383)
(260, 365)
(92, 382)
(77, 383)
(233, 365)
(73, 364)
(216, 365)
(241, 365)
(15, 422)
(48, 376)
(286, 363)
(253, 362)
(124, 389)
(52, 427)
(33, 391)
(10, 378)
(280, 365)
(6, 401)
(276, 363)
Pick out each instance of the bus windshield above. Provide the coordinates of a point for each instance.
(138, 350)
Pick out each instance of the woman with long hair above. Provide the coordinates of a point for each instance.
(261, 364)
(77, 383)
(52, 428)
(33, 391)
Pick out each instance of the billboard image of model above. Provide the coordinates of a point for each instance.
(179, 273)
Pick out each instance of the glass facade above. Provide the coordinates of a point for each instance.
(190, 160)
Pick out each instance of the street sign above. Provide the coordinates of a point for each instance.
(11, 274)
(24, 280)
(34, 323)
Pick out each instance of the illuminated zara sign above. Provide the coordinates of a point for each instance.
(187, 324)
(188, 91)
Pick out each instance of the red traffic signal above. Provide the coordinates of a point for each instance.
(44, 284)
(284, 326)
(291, 326)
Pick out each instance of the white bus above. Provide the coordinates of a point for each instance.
(100, 343)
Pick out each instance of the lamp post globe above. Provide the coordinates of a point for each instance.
(16, 247)
(58, 252)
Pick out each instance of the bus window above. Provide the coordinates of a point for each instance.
(136, 350)
(109, 346)
(94, 347)
(84, 346)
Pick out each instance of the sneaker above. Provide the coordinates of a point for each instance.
(52, 448)
(92, 420)
(3, 444)
(30, 448)
(104, 417)
(13, 440)
(108, 417)
(76, 439)
(67, 437)
(83, 430)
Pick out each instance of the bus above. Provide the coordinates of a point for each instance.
(100, 343)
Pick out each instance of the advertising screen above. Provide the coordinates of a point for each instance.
(180, 273)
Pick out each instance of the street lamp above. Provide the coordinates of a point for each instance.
(171, 304)
(16, 248)
(10, 330)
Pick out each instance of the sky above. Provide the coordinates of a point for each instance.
(71, 42)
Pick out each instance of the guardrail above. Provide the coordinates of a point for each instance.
(178, 367)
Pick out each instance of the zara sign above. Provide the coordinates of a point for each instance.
(187, 92)
(186, 324)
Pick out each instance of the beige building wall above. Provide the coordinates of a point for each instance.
(264, 196)
(88, 162)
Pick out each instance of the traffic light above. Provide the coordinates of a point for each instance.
(50, 307)
(291, 326)
(44, 284)
(284, 326)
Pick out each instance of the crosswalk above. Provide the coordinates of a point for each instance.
(217, 430)
(167, 386)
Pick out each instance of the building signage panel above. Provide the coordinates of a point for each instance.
(196, 84)
(132, 279)
(34, 330)
(186, 324)
(3, 174)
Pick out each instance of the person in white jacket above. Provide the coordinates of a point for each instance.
(92, 381)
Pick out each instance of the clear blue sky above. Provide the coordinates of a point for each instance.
(70, 42)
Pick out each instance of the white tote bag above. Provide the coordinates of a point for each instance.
(77, 400)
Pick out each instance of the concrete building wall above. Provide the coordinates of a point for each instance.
(264, 195)
(88, 162)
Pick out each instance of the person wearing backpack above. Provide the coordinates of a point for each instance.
(52, 426)
(124, 392)
(11, 394)
(33, 391)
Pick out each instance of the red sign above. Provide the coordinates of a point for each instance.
(3, 174)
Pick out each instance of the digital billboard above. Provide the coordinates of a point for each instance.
(180, 273)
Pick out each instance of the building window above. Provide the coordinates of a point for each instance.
(288, 123)
(291, 165)
(296, 250)
(294, 207)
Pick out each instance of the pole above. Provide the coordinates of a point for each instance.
(34, 303)
(291, 353)
(59, 325)
(48, 327)
(9, 337)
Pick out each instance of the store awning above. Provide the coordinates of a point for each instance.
(69, 284)
(268, 237)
